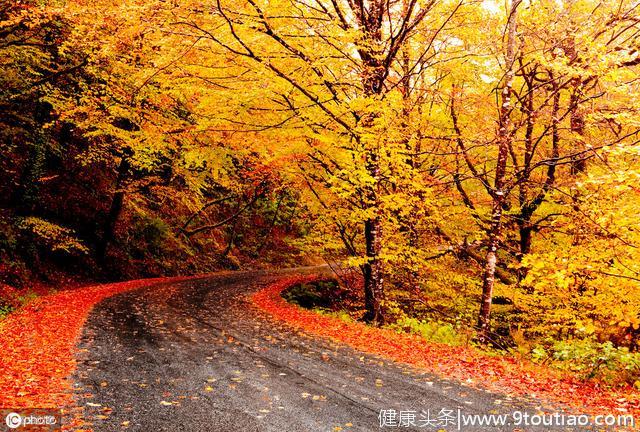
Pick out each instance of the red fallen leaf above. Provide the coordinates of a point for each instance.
(39, 343)
(507, 374)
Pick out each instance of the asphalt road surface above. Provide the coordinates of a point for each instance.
(198, 356)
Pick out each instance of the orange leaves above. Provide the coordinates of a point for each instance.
(38, 344)
(505, 374)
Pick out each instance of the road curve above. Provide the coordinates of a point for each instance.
(198, 356)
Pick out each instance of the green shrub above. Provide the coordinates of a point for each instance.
(539, 354)
(5, 310)
(431, 330)
(152, 230)
(590, 359)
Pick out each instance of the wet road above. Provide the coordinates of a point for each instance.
(198, 356)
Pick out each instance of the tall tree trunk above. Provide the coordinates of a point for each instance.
(524, 218)
(373, 80)
(232, 235)
(232, 238)
(498, 195)
(576, 122)
(115, 209)
(407, 222)
(372, 269)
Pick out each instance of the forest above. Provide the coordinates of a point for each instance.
(469, 168)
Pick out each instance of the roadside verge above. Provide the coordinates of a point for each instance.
(500, 374)
(38, 344)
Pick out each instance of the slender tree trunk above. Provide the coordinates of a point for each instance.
(529, 205)
(576, 122)
(373, 271)
(407, 222)
(115, 209)
(524, 219)
(576, 119)
(504, 143)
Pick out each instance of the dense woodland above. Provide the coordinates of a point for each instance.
(98, 178)
(476, 165)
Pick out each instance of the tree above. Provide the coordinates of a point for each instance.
(543, 136)
(337, 68)
(504, 139)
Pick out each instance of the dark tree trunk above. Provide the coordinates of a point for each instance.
(267, 236)
(232, 239)
(525, 237)
(25, 198)
(372, 81)
(115, 209)
(373, 279)
(372, 269)
(528, 206)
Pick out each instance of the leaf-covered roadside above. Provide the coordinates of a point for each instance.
(38, 343)
(505, 374)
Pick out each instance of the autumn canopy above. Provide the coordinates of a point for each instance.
(471, 167)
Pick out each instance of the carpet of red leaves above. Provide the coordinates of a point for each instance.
(501, 374)
(38, 342)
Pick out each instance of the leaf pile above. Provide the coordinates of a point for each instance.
(38, 344)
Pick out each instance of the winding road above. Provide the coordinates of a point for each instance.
(198, 356)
